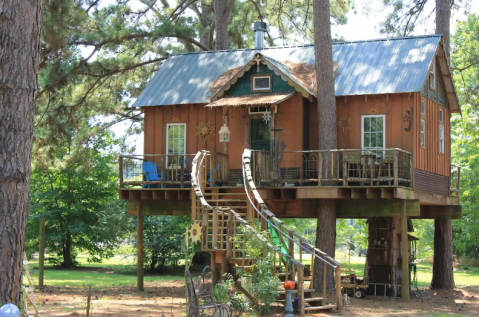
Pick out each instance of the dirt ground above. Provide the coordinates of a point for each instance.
(167, 299)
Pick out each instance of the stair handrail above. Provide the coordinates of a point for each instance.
(247, 176)
(326, 259)
(199, 194)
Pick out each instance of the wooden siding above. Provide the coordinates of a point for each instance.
(428, 158)
(431, 183)
(393, 106)
(290, 119)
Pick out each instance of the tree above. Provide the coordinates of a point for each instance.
(77, 193)
(222, 16)
(326, 228)
(20, 27)
(442, 270)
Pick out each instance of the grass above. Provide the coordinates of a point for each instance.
(119, 271)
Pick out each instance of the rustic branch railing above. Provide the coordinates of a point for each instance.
(233, 241)
(259, 216)
(168, 170)
(348, 167)
(455, 180)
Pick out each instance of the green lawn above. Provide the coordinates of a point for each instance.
(115, 272)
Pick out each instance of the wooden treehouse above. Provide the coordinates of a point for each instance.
(231, 137)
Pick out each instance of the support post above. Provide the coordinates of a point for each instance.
(139, 238)
(337, 281)
(405, 256)
(41, 254)
(301, 290)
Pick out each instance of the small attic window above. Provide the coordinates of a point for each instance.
(261, 83)
(432, 75)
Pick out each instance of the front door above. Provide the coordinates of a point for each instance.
(260, 135)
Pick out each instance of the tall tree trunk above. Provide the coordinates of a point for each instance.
(67, 251)
(442, 271)
(326, 227)
(20, 27)
(222, 17)
(443, 21)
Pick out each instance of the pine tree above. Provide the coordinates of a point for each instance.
(20, 27)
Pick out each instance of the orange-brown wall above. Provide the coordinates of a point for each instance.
(394, 107)
(290, 116)
(428, 158)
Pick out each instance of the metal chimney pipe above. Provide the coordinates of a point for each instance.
(259, 28)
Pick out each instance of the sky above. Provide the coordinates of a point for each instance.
(360, 26)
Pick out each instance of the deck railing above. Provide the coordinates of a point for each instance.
(349, 167)
(455, 180)
(168, 170)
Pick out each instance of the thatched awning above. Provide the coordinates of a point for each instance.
(252, 100)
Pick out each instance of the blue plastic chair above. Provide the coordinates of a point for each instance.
(209, 177)
(151, 173)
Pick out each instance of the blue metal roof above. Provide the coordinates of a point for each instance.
(383, 66)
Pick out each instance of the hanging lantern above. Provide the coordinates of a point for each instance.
(224, 134)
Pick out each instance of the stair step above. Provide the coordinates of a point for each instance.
(324, 307)
(295, 291)
(314, 299)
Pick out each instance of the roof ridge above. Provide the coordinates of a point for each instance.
(308, 45)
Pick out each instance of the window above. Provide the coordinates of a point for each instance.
(423, 133)
(432, 74)
(259, 110)
(261, 83)
(373, 132)
(175, 142)
(441, 115)
(441, 139)
(423, 107)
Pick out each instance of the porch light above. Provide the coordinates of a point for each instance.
(224, 134)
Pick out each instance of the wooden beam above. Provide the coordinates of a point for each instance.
(146, 195)
(373, 193)
(288, 194)
(124, 194)
(158, 195)
(387, 193)
(171, 195)
(163, 208)
(433, 212)
(322, 193)
(139, 242)
(358, 193)
(405, 255)
(134, 195)
(41, 254)
(375, 208)
(426, 199)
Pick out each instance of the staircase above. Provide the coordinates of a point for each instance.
(224, 212)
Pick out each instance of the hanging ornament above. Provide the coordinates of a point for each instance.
(205, 131)
(224, 134)
(195, 233)
(267, 117)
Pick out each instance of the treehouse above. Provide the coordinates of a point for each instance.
(250, 116)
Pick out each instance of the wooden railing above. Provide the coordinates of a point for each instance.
(258, 215)
(215, 238)
(168, 170)
(348, 167)
(455, 180)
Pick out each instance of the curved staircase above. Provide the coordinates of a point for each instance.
(225, 213)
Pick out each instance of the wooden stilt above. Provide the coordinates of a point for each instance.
(139, 238)
(405, 256)
(41, 254)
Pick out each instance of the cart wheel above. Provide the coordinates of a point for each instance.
(360, 293)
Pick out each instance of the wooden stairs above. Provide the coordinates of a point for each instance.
(223, 213)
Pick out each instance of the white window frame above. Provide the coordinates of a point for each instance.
(432, 83)
(261, 89)
(268, 110)
(362, 128)
(168, 143)
(422, 132)
(442, 139)
(441, 115)
(423, 109)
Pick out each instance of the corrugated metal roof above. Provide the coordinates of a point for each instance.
(251, 100)
(395, 65)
